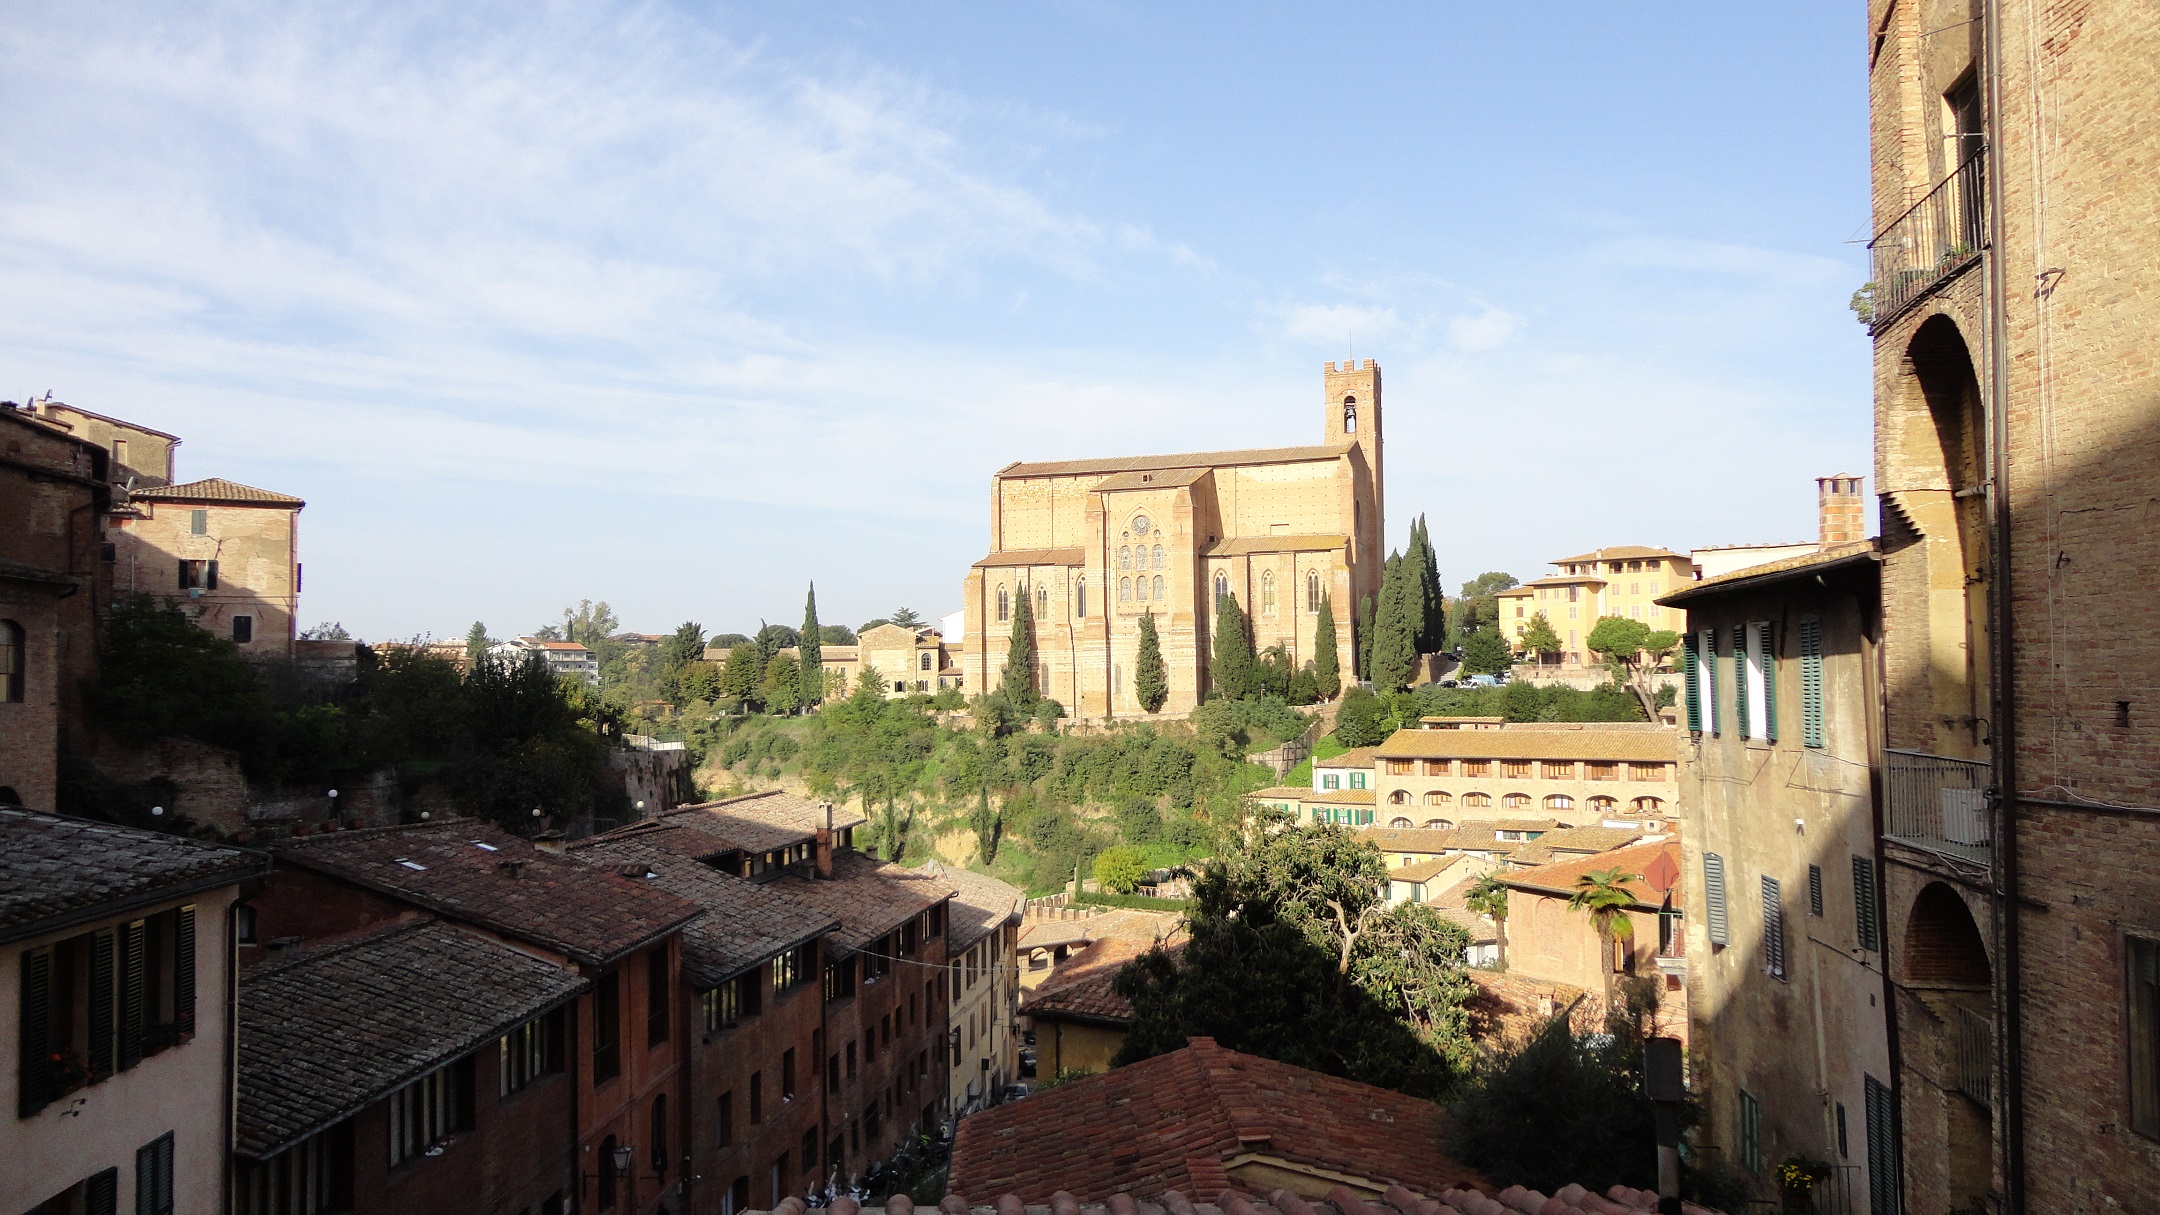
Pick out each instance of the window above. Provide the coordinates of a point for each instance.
(1643, 772)
(1706, 658)
(1814, 890)
(528, 1052)
(1330, 781)
(1357, 780)
(311, 1177)
(1515, 769)
(1124, 590)
(1349, 415)
(1713, 867)
(1042, 604)
(1476, 800)
(2142, 1000)
(1267, 592)
(1882, 1149)
(787, 1074)
(607, 1028)
(198, 522)
(1397, 767)
(1004, 604)
(1604, 805)
(1140, 589)
(1691, 681)
(658, 1131)
(101, 1002)
(789, 968)
(607, 1173)
(1158, 588)
(1399, 822)
(1080, 597)
(851, 1060)
(430, 1110)
(1400, 797)
(1437, 798)
(1477, 767)
(243, 629)
(1312, 593)
(1515, 801)
(154, 1176)
(737, 1199)
(923, 660)
(1156, 559)
(1562, 771)
(1222, 588)
(1436, 767)
(724, 1005)
(1761, 674)
(1773, 929)
(656, 996)
(1647, 805)
(198, 575)
(14, 657)
(1811, 683)
(726, 1117)
(1750, 1133)
(809, 1150)
(1867, 921)
(757, 1097)
(1559, 801)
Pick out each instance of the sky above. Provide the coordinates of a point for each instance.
(684, 306)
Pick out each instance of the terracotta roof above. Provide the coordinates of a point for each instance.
(1047, 934)
(216, 489)
(1559, 877)
(1082, 989)
(1243, 545)
(1572, 1200)
(1576, 840)
(745, 923)
(869, 898)
(1513, 592)
(1179, 1121)
(753, 822)
(1561, 580)
(537, 643)
(1425, 871)
(56, 870)
(1620, 552)
(1034, 556)
(1480, 836)
(472, 871)
(1483, 721)
(331, 1030)
(1320, 797)
(1196, 459)
(1356, 757)
(1410, 839)
(1589, 742)
(980, 904)
(1836, 556)
(1174, 478)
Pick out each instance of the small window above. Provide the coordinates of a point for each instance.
(1515, 801)
(2142, 996)
(1773, 929)
(1124, 590)
(1349, 415)
(1080, 598)
(14, 657)
(925, 660)
(1124, 558)
(1042, 602)
(1222, 588)
(1267, 593)
(1158, 588)
(1312, 593)
(1750, 1133)
(1004, 604)
(1357, 780)
(243, 629)
(1158, 557)
(154, 1176)
(198, 523)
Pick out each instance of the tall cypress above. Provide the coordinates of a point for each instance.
(1394, 648)
(1413, 580)
(1232, 669)
(1017, 681)
(1151, 683)
(810, 653)
(1364, 636)
(1327, 667)
(1433, 634)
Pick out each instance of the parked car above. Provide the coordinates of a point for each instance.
(1481, 681)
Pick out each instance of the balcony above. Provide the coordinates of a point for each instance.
(1939, 805)
(1933, 240)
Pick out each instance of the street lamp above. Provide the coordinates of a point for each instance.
(622, 1156)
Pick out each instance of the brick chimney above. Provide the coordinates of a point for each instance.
(825, 842)
(1844, 514)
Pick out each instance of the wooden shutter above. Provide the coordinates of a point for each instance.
(154, 1177)
(184, 583)
(1768, 636)
(1692, 676)
(131, 994)
(1814, 890)
(1866, 924)
(1773, 928)
(34, 1088)
(101, 1193)
(1811, 683)
(101, 1003)
(1713, 868)
(210, 575)
(1740, 681)
(1706, 655)
(1882, 1153)
(184, 972)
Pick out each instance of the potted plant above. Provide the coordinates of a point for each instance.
(1797, 1179)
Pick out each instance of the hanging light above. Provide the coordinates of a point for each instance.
(622, 1158)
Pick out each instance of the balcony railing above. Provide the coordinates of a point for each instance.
(1972, 1048)
(1936, 237)
(1938, 804)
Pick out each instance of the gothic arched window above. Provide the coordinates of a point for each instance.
(1222, 588)
(1267, 593)
(1080, 597)
(1158, 588)
(1312, 592)
(1124, 590)
(1042, 602)
(1139, 589)
(1158, 556)
(1004, 604)
(1124, 558)
(1349, 415)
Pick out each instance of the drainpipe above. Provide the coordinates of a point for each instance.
(2010, 1020)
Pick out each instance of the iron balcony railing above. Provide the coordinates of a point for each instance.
(1972, 1047)
(1838, 1192)
(1939, 804)
(1933, 239)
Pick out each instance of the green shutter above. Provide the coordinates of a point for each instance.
(1709, 680)
(1739, 680)
(131, 994)
(1811, 683)
(1692, 675)
(1866, 924)
(1769, 680)
(1882, 1148)
(34, 1085)
(184, 971)
(1713, 869)
(101, 1193)
(1773, 928)
(101, 1003)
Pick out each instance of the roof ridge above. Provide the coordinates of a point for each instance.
(302, 954)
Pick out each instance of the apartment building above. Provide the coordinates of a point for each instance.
(1577, 772)
(568, 659)
(1625, 581)
(984, 987)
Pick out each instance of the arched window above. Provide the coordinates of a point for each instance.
(1042, 603)
(1222, 588)
(1158, 556)
(1267, 592)
(607, 1173)
(1476, 801)
(1312, 592)
(1401, 797)
(1647, 805)
(1124, 558)
(1559, 801)
(1139, 588)
(1604, 805)
(1124, 590)
(14, 656)
(1004, 604)
(1158, 588)
(1080, 597)
(1349, 415)
(1437, 798)
(1398, 822)
(659, 1135)
(1438, 824)
(925, 662)
(1515, 801)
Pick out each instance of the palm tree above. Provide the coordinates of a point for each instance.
(1603, 893)
(1489, 899)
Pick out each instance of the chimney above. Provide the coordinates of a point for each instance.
(509, 868)
(549, 841)
(1844, 514)
(825, 842)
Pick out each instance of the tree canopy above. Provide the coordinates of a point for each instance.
(1231, 672)
(1539, 637)
(811, 657)
(1633, 651)
(1485, 653)
(1151, 683)
(1327, 663)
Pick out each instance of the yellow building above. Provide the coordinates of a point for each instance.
(1573, 771)
(229, 550)
(1624, 581)
(1098, 544)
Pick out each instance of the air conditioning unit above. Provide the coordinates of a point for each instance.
(1965, 816)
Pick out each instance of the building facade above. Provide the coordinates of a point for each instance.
(1624, 581)
(565, 658)
(229, 552)
(2015, 290)
(1576, 772)
(984, 988)
(1095, 545)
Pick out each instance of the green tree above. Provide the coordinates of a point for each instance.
(812, 653)
(1539, 638)
(1560, 1109)
(744, 673)
(477, 642)
(837, 634)
(907, 618)
(1633, 651)
(1477, 606)
(1327, 664)
(1121, 869)
(1231, 670)
(1394, 647)
(1017, 681)
(985, 824)
(1602, 894)
(1151, 683)
(1489, 898)
(1484, 653)
(1364, 638)
(781, 689)
(1432, 621)
(1294, 954)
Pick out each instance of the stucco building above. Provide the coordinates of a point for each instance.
(1548, 939)
(1624, 581)
(1577, 772)
(229, 552)
(984, 987)
(1097, 544)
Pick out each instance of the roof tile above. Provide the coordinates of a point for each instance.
(53, 866)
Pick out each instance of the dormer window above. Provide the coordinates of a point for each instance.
(1349, 415)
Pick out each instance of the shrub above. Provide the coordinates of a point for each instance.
(1121, 869)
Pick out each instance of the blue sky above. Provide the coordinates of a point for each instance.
(681, 306)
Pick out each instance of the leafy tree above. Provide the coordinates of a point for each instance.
(477, 642)
(1232, 669)
(1559, 1109)
(781, 689)
(1327, 664)
(836, 634)
(1485, 653)
(1432, 620)
(1047, 714)
(812, 655)
(332, 631)
(985, 824)
(773, 638)
(1633, 651)
(1540, 638)
(1394, 643)
(1362, 720)
(726, 641)
(683, 647)
(1364, 637)
(1121, 869)
(889, 828)
(1489, 898)
(1138, 821)
(1293, 954)
(1017, 681)
(1478, 605)
(1151, 683)
(908, 618)
(699, 681)
(744, 673)
(1602, 894)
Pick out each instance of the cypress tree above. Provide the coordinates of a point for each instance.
(1364, 636)
(1327, 668)
(810, 653)
(1232, 668)
(1413, 583)
(1394, 648)
(1433, 635)
(1017, 681)
(1151, 683)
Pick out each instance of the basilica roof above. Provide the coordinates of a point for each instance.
(1198, 460)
